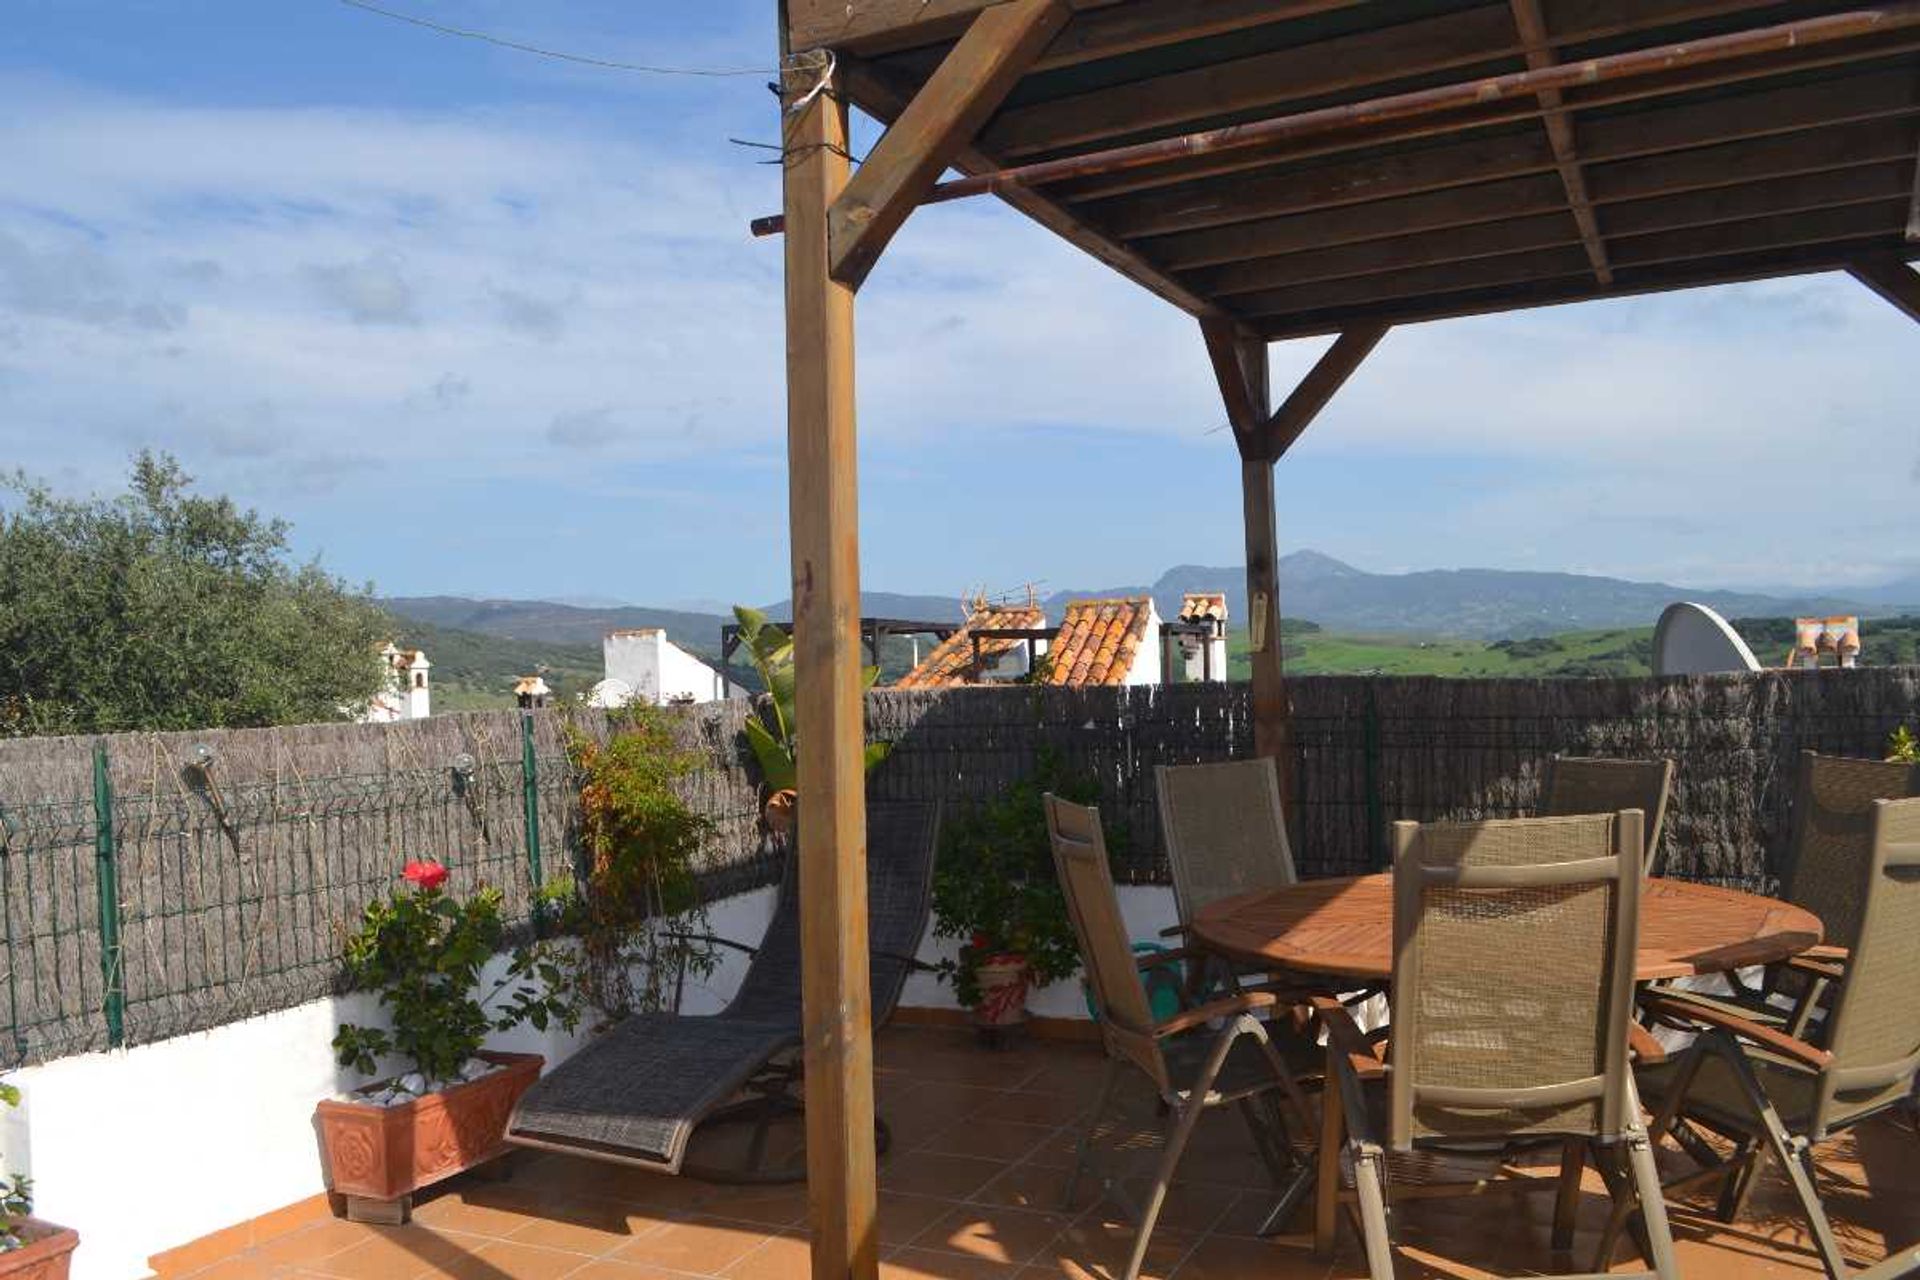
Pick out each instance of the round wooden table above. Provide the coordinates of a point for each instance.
(1344, 928)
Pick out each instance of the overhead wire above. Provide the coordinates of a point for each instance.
(485, 37)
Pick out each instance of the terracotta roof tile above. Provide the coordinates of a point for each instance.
(1098, 641)
(1203, 606)
(951, 661)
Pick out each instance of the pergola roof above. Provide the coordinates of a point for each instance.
(1777, 139)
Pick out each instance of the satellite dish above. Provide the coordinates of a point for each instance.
(1692, 640)
(610, 693)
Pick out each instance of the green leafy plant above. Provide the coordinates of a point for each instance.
(994, 883)
(637, 915)
(16, 1192)
(771, 735)
(423, 950)
(1903, 746)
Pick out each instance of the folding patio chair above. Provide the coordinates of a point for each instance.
(1192, 1069)
(1225, 833)
(1591, 784)
(1776, 1094)
(1831, 842)
(1514, 946)
(636, 1094)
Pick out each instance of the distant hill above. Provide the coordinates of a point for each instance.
(566, 624)
(1476, 603)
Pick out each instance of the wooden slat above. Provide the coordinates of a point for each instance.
(942, 117)
(1731, 163)
(883, 97)
(1575, 287)
(1129, 28)
(1913, 209)
(823, 499)
(1329, 373)
(1744, 72)
(861, 25)
(1382, 55)
(1532, 26)
(1891, 278)
(1781, 232)
(1274, 193)
(1758, 198)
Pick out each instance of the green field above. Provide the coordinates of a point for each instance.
(1617, 652)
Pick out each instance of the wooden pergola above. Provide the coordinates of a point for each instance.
(1280, 169)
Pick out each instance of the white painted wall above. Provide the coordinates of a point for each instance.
(660, 671)
(1146, 659)
(145, 1149)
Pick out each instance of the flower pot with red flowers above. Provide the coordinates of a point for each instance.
(423, 949)
(995, 886)
(29, 1248)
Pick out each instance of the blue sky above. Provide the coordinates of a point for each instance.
(484, 323)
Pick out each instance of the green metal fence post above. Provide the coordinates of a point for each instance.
(1370, 766)
(107, 875)
(530, 792)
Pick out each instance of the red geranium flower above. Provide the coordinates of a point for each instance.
(424, 874)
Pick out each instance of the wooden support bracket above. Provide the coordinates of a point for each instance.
(1327, 376)
(1892, 279)
(1240, 366)
(943, 117)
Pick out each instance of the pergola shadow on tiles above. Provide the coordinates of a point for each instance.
(1281, 169)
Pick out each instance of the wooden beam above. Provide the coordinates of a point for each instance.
(1762, 197)
(1240, 367)
(1913, 209)
(1272, 193)
(1129, 28)
(859, 24)
(884, 97)
(1532, 26)
(942, 118)
(1578, 285)
(1329, 373)
(823, 500)
(1893, 279)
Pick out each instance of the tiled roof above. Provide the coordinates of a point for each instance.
(1098, 641)
(531, 686)
(1203, 606)
(951, 661)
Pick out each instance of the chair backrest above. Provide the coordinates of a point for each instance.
(1875, 1030)
(1224, 830)
(1514, 944)
(1833, 834)
(1080, 857)
(1589, 784)
(901, 839)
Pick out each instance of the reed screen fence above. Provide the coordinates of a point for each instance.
(154, 885)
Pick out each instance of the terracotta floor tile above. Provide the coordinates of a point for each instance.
(505, 1260)
(1038, 1187)
(398, 1253)
(787, 1256)
(615, 1269)
(243, 1267)
(928, 1173)
(704, 1246)
(589, 1227)
(482, 1211)
(902, 1217)
(928, 1264)
(1241, 1258)
(1036, 1108)
(1097, 1250)
(568, 1178)
(1005, 1140)
(311, 1244)
(994, 1232)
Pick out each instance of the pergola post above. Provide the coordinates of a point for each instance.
(824, 519)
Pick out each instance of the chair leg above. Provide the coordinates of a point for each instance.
(1370, 1190)
(1326, 1191)
(1653, 1206)
(1185, 1117)
(1573, 1160)
(1108, 1081)
(1798, 1166)
(1748, 1161)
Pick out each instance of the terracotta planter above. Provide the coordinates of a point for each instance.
(1004, 980)
(45, 1256)
(387, 1153)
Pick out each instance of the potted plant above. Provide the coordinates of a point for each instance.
(994, 885)
(29, 1248)
(1903, 746)
(771, 736)
(422, 949)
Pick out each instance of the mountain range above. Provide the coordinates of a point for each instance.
(1485, 604)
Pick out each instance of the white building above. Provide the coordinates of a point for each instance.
(1201, 637)
(1098, 642)
(642, 665)
(405, 693)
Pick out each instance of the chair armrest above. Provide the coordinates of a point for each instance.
(1345, 1041)
(1676, 1010)
(1826, 951)
(1226, 1007)
(1173, 955)
(1832, 970)
(1174, 931)
(1645, 1049)
(714, 939)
